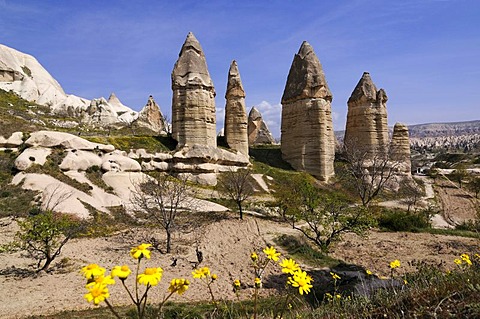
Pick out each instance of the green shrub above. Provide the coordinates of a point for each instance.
(399, 220)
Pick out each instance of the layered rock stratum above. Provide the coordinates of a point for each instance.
(236, 123)
(151, 117)
(367, 129)
(308, 141)
(193, 101)
(258, 132)
(400, 148)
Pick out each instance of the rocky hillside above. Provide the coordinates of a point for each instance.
(444, 129)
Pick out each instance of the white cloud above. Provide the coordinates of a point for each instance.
(272, 115)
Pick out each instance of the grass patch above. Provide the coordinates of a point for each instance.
(301, 250)
(269, 155)
(151, 144)
(94, 175)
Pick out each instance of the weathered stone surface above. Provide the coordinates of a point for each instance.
(366, 128)
(151, 117)
(78, 160)
(236, 123)
(119, 162)
(64, 140)
(197, 154)
(193, 101)
(308, 141)
(30, 156)
(13, 141)
(400, 148)
(258, 132)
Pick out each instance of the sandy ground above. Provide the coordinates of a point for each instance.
(226, 244)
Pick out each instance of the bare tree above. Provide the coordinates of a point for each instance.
(160, 200)
(368, 173)
(474, 185)
(410, 192)
(237, 186)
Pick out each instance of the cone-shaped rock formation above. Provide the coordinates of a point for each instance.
(400, 148)
(236, 122)
(366, 128)
(151, 117)
(193, 101)
(308, 141)
(258, 132)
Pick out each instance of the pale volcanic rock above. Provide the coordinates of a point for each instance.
(151, 117)
(366, 128)
(30, 156)
(78, 160)
(258, 132)
(117, 161)
(16, 139)
(236, 123)
(64, 140)
(400, 148)
(193, 101)
(307, 140)
(197, 154)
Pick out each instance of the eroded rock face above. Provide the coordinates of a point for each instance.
(400, 148)
(308, 141)
(236, 123)
(258, 132)
(193, 101)
(366, 128)
(151, 117)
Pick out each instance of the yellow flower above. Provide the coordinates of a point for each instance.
(405, 281)
(395, 264)
(121, 272)
(140, 251)
(457, 261)
(302, 281)
(466, 259)
(236, 284)
(338, 296)
(254, 256)
(214, 276)
(151, 276)
(477, 256)
(97, 293)
(271, 253)
(289, 266)
(258, 282)
(92, 271)
(102, 280)
(368, 272)
(335, 276)
(178, 285)
(201, 273)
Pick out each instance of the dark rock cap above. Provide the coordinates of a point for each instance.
(234, 84)
(306, 78)
(191, 66)
(366, 91)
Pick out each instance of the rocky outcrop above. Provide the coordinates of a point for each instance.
(193, 101)
(236, 123)
(366, 128)
(400, 148)
(102, 112)
(308, 141)
(258, 132)
(53, 139)
(151, 117)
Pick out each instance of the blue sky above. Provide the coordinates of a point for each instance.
(424, 53)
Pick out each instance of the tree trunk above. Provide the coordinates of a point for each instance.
(240, 209)
(169, 239)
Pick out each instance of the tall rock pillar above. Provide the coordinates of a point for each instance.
(308, 141)
(193, 101)
(400, 149)
(366, 128)
(236, 123)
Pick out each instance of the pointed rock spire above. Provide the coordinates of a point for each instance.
(193, 101)
(306, 78)
(366, 128)
(258, 132)
(236, 122)
(151, 117)
(308, 141)
(113, 99)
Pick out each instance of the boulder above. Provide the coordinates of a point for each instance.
(64, 140)
(236, 122)
(78, 160)
(15, 140)
(30, 156)
(193, 102)
(366, 129)
(258, 132)
(197, 154)
(307, 140)
(118, 162)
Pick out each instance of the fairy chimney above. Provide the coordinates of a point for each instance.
(236, 124)
(151, 117)
(366, 128)
(400, 148)
(258, 132)
(193, 101)
(308, 141)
